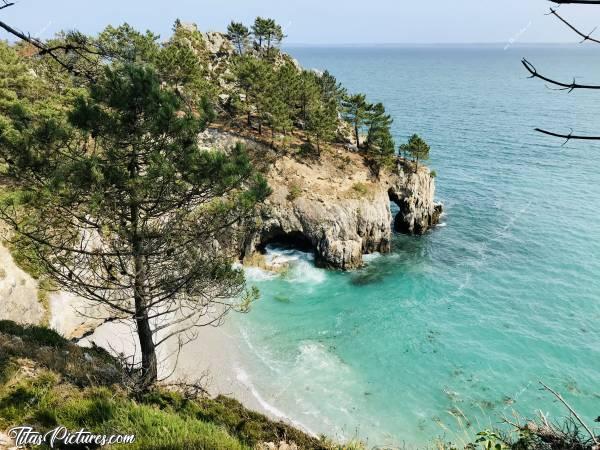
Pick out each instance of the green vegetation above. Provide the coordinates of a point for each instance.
(270, 90)
(380, 144)
(295, 192)
(267, 34)
(118, 159)
(356, 113)
(46, 381)
(360, 188)
(417, 148)
(239, 34)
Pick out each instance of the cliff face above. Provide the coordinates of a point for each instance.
(18, 293)
(333, 205)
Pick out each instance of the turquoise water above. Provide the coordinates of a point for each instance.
(453, 329)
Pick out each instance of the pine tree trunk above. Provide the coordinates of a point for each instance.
(357, 137)
(144, 330)
(148, 349)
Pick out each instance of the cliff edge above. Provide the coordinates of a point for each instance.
(333, 205)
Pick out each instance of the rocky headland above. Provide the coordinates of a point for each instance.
(333, 205)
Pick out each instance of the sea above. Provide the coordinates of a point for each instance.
(452, 332)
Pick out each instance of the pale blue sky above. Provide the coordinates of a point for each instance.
(320, 21)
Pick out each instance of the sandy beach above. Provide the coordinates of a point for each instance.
(214, 359)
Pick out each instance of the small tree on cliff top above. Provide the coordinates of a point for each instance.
(356, 112)
(380, 143)
(417, 148)
(322, 122)
(122, 207)
(267, 34)
(239, 34)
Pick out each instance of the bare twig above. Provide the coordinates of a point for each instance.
(91, 331)
(564, 86)
(569, 136)
(578, 2)
(586, 37)
(571, 410)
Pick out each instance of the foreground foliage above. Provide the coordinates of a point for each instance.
(46, 381)
(115, 198)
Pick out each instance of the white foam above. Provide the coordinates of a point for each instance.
(270, 363)
(301, 264)
(256, 274)
(441, 225)
(243, 377)
(371, 257)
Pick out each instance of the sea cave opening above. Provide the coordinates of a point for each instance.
(293, 240)
(396, 205)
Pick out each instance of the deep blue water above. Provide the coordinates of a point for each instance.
(453, 329)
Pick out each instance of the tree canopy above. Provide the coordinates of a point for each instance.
(118, 202)
(417, 148)
(113, 194)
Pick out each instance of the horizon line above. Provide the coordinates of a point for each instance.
(423, 44)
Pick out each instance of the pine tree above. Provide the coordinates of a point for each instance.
(417, 148)
(267, 33)
(322, 122)
(331, 89)
(380, 143)
(121, 207)
(308, 94)
(254, 79)
(356, 112)
(280, 96)
(239, 34)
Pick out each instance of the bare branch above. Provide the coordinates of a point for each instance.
(6, 4)
(586, 37)
(563, 86)
(91, 331)
(578, 2)
(571, 410)
(569, 136)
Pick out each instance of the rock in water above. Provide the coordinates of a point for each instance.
(333, 205)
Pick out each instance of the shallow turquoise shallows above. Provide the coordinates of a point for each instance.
(452, 330)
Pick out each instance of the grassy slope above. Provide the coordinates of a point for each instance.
(46, 381)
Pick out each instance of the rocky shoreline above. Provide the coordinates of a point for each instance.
(334, 206)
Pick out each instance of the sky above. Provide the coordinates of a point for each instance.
(319, 21)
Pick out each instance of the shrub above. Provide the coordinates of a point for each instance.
(39, 335)
(294, 192)
(360, 188)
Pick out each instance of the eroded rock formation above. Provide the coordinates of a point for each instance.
(334, 205)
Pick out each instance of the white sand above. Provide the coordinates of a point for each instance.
(213, 358)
